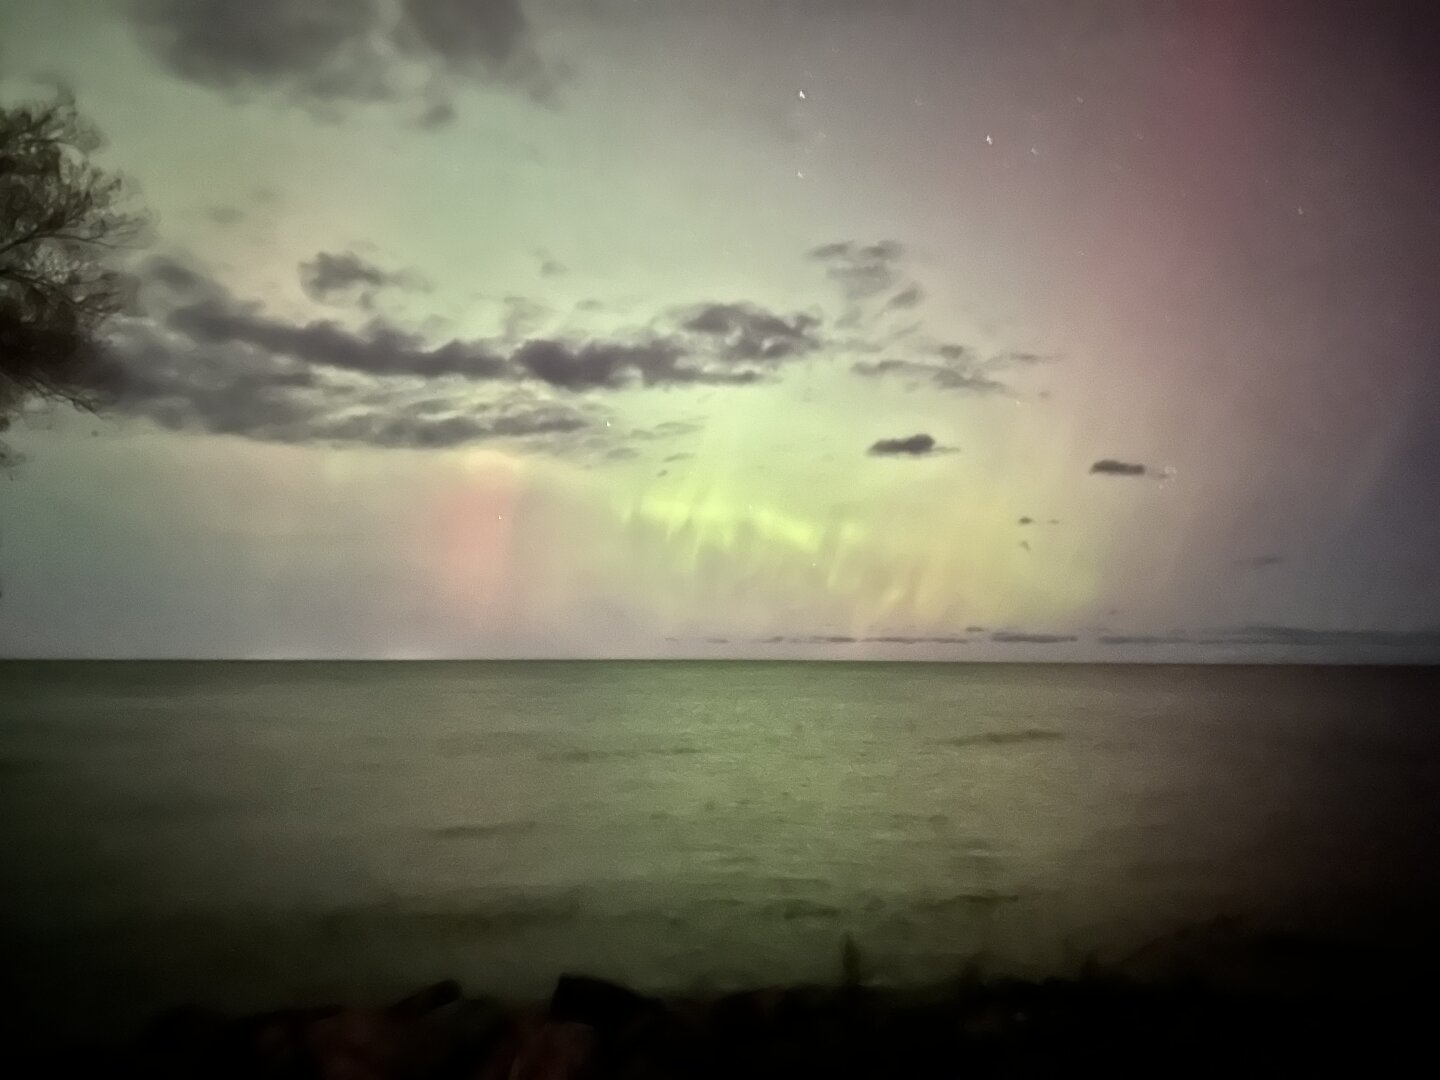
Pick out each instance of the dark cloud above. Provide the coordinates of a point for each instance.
(191, 355)
(346, 275)
(614, 365)
(176, 277)
(861, 270)
(204, 312)
(1025, 545)
(326, 54)
(233, 389)
(686, 456)
(1111, 467)
(467, 33)
(588, 367)
(1026, 521)
(379, 350)
(1009, 637)
(811, 639)
(315, 50)
(225, 215)
(975, 629)
(910, 446)
(551, 268)
(906, 298)
(389, 428)
(1259, 562)
(747, 332)
(479, 40)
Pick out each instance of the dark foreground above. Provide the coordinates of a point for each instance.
(1336, 1017)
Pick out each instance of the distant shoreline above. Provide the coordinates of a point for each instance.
(972, 1027)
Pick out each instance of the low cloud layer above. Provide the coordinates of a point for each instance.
(847, 639)
(1015, 637)
(1142, 639)
(1242, 636)
(280, 369)
(1294, 636)
(1266, 634)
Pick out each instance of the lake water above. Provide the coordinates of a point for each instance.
(248, 834)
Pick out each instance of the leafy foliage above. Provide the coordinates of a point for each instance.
(62, 218)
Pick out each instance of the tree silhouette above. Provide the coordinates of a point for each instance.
(62, 219)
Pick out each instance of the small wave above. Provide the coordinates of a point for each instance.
(790, 910)
(581, 756)
(934, 820)
(474, 919)
(968, 901)
(1003, 738)
(15, 766)
(177, 808)
(480, 832)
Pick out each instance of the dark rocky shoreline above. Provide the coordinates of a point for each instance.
(1335, 1018)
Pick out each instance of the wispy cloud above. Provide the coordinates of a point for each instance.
(907, 298)
(1259, 562)
(861, 270)
(748, 332)
(957, 375)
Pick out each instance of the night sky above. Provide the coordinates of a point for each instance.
(1034, 330)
